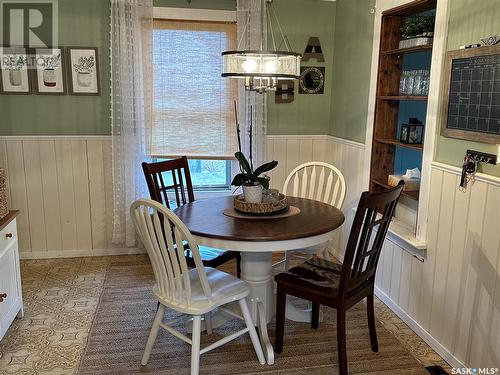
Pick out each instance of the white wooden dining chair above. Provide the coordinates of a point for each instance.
(195, 291)
(314, 180)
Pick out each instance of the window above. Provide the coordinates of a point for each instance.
(193, 104)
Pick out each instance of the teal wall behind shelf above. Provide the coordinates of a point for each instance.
(470, 20)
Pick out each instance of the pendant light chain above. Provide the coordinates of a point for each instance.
(262, 69)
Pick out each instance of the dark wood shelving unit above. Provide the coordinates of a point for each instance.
(410, 194)
(385, 129)
(396, 142)
(402, 51)
(402, 97)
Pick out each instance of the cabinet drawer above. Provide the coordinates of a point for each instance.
(8, 235)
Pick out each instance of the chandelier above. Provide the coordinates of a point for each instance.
(261, 69)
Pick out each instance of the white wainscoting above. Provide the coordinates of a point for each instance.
(452, 299)
(346, 155)
(63, 188)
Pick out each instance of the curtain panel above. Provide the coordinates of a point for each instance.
(251, 104)
(131, 108)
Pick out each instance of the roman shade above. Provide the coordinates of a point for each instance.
(193, 104)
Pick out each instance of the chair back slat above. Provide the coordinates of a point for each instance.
(321, 184)
(373, 216)
(177, 170)
(165, 236)
(309, 182)
(312, 183)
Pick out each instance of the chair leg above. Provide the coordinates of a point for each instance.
(208, 322)
(238, 265)
(280, 319)
(152, 335)
(251, 331)
(288, 255)
(195, 345)
(371, 322)
(315, 315)
(341, 341)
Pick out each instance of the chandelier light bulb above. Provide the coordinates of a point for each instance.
(271, 66)
(249, 65)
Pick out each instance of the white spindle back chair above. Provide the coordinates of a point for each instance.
(319, 181)
(190, 291)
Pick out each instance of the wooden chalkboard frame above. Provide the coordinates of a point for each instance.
(464, 134)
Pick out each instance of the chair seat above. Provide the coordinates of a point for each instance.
(225, 288)
(318, 275)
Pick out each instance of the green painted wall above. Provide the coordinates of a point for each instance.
(81, 23)
(470, 20)
(307, 114)
(351, 69)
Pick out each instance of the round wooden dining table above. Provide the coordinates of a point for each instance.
(257, 238)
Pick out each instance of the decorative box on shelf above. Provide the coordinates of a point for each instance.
(411, 184)
(415, 42)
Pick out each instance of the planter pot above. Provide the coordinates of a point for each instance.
(253, 194)
(84, 79)
(49, 78)
(15, 78)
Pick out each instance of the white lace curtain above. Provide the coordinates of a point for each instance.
(248, 17)
(131, 108)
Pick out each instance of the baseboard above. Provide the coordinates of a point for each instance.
(80, 253)
(419, 330)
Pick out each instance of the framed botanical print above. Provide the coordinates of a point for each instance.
(83, 71)
(15, 72)
(49, 71)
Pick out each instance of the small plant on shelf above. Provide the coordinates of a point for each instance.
(418, 26)
(251, 178)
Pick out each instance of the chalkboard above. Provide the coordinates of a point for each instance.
(472, 95)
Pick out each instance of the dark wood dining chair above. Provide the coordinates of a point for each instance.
(341, 286)
(169, 183)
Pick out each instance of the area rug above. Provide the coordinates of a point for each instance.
(126, 310)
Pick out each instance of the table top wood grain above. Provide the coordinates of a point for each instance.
(206, 218)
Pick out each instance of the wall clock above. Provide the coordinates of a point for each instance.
(312, 80)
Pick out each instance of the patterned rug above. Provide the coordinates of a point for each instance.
(126, 309)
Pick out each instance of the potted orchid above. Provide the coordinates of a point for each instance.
(250, 178)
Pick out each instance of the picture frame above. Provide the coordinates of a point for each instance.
(413, 132)
(15, 77)
(455, 101)
(49, 73)
(83, 71)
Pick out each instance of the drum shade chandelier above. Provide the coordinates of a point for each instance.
(261, 69)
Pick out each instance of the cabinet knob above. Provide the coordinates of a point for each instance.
(8, 235)
(3, 296)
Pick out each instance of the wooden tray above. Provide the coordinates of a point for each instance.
(269, 206)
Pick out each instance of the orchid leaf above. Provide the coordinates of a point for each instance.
(243, 162)
(264, 182)
(265, 168)
(239, 180)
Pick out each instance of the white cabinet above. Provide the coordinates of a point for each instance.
(11, 304)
